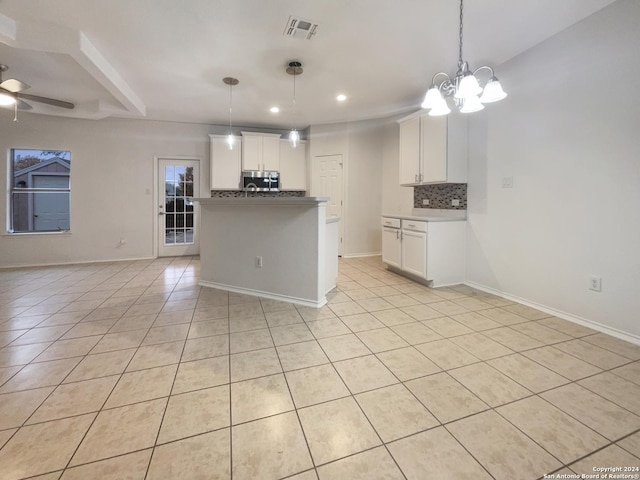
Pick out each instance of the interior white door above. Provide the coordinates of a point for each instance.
(178, 185)
(328, 183)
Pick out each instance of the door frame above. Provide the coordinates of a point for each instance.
(155, 192)
(342, 225)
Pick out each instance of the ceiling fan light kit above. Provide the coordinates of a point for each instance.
(464, 88)
(11, 95)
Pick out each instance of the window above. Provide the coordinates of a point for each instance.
(40, 190)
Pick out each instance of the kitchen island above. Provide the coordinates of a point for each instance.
(283, 248)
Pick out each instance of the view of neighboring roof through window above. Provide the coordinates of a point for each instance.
(40, 191)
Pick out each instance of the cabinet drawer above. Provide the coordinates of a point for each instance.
(414, 225)
(391, 222)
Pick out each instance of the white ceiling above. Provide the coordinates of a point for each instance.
(165, 59)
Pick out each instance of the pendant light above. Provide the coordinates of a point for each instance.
(231, 140)
(294, 68)
(464, 88)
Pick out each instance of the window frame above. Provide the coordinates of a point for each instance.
(12, 190)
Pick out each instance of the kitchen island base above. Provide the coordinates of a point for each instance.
(278, 248)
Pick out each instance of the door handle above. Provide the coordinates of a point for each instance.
(160, 213)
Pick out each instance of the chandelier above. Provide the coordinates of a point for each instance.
(464, 88)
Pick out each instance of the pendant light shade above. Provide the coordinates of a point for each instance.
(492, 92)
(469, 87)
(231, 140)
(294, 138)
(432, 97)
(440, 108)
(294, 68)
(6, 99)
(471, 104)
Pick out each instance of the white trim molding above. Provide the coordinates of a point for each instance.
(273, 296)
(614, 332)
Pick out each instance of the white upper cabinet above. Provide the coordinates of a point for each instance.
(293, 166)
(433, 149)
(410, 151)
(225, 163)
(260, 151)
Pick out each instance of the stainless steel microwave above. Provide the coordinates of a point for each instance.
(258, 181)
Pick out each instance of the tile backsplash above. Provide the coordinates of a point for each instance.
(238, 193)
(440, 195)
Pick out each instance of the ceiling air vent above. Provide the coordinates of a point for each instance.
(299, 28)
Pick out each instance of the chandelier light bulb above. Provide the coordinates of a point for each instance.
(6, 99)
(492, 91)
(432, 97)
(471, 104)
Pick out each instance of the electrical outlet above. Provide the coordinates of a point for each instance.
(258, 262)
(425, 201)
(455, 202)
(507, 182)
(595, 283)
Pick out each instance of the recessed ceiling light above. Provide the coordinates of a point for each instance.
(341, 97)
(274, 109)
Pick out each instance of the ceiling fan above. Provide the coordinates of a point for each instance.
(11, 95)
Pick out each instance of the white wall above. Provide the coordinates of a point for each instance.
(362, 146)
(568, 135)
(111, 183)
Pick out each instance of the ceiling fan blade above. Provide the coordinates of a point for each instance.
(13, 85)
(48, 101)
(24, 105)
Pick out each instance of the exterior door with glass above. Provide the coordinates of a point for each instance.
(178, 185)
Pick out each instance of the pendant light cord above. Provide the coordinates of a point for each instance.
(293, 119)
(230, 105)
(460, 44)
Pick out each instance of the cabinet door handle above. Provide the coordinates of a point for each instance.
(411, 225)
(387, 223)
(397, 234)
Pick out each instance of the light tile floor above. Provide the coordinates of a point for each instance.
(131, 370)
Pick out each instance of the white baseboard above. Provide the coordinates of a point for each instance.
(273, 296)
(614, 332)
(358, 255)
(76, 262)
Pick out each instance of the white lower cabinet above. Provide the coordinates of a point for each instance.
(391, 247)
(414, 252)
(431, 251)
